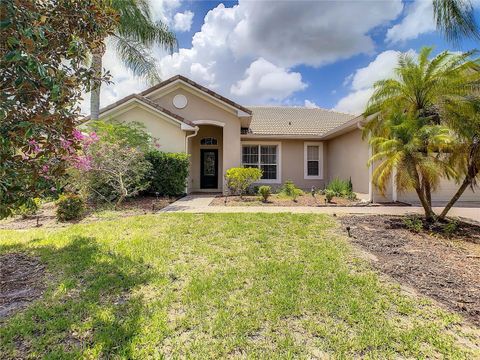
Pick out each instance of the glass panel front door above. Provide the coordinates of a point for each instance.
(209, 169)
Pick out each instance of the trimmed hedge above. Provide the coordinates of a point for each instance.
(169, 172)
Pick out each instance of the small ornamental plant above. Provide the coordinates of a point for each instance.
(70, 207)
(329, 194)
(265, 192)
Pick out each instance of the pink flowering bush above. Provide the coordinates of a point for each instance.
(110, 166)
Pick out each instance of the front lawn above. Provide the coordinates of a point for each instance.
(218, 285)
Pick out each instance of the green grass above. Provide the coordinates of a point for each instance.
(217, 285)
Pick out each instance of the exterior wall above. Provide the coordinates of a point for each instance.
(443, 194)
(293, 163)
(347, 157)
(291, 160)
(170, 137)
(200, 109)
(194, 151)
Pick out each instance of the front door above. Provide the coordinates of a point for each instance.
(208, 168)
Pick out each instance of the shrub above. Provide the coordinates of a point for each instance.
(29, 208)
(413, 223)
(168, 174)
(240, 179)
(70, 207)
(265, 192)
(450, 228)
(338, 186)
(289, 189)
(329, 194)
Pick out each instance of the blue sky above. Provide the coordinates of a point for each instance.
(308, 53)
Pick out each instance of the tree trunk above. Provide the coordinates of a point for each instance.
(429, 214)
(123, 193)
(455, 197)
(96, 82)
(472, 172)
(428, 192)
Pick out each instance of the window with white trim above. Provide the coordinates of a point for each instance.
(263, 157)
(313, 153)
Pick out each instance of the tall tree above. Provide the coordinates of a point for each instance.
(133, 38)
(417, 90)
(42, 76)
(455, 19)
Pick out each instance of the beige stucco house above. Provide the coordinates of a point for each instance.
(309, 146)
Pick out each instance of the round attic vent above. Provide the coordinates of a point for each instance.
(180, 101)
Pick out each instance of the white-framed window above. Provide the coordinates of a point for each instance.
(313, 160)
(264, 156)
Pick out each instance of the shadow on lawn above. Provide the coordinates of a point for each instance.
(89, 304)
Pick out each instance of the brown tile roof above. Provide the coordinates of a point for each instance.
(282, 120)
(145, 101)
(199, 87)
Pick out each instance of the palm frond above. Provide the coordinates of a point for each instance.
(136, 58)
(455, 19)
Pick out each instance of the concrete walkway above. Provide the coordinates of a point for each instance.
(200, 204)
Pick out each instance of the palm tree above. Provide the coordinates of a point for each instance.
(455, 19)
(464, 116)
(133, 37)
(416, 150)
(418, 88)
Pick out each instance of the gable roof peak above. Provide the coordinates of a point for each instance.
(196, 85)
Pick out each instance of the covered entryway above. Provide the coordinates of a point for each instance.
(206, 154)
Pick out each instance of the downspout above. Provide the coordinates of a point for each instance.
(186, 150)
(370, 168)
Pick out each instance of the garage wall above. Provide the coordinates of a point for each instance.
(347, 157)
(443, 194)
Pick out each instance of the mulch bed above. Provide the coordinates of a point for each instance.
(22, 280)
(45, 217)
(445, 269)
(274, 200)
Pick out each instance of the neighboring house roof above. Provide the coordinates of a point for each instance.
(282, 120)
(146, 101)
(199, 87)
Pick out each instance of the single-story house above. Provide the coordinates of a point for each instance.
(309, 146)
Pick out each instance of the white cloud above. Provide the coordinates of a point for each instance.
(362, 80)
(311, 32)
(418, 20)
(265, 82)
(354, 103)
(263, 40)
(183, 21)
(310, 104)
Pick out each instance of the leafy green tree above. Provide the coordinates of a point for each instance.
(133, 38)
(455, 19)
(43, 47)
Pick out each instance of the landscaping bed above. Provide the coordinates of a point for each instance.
(46, 217)
(279, 200)
(445, 267)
